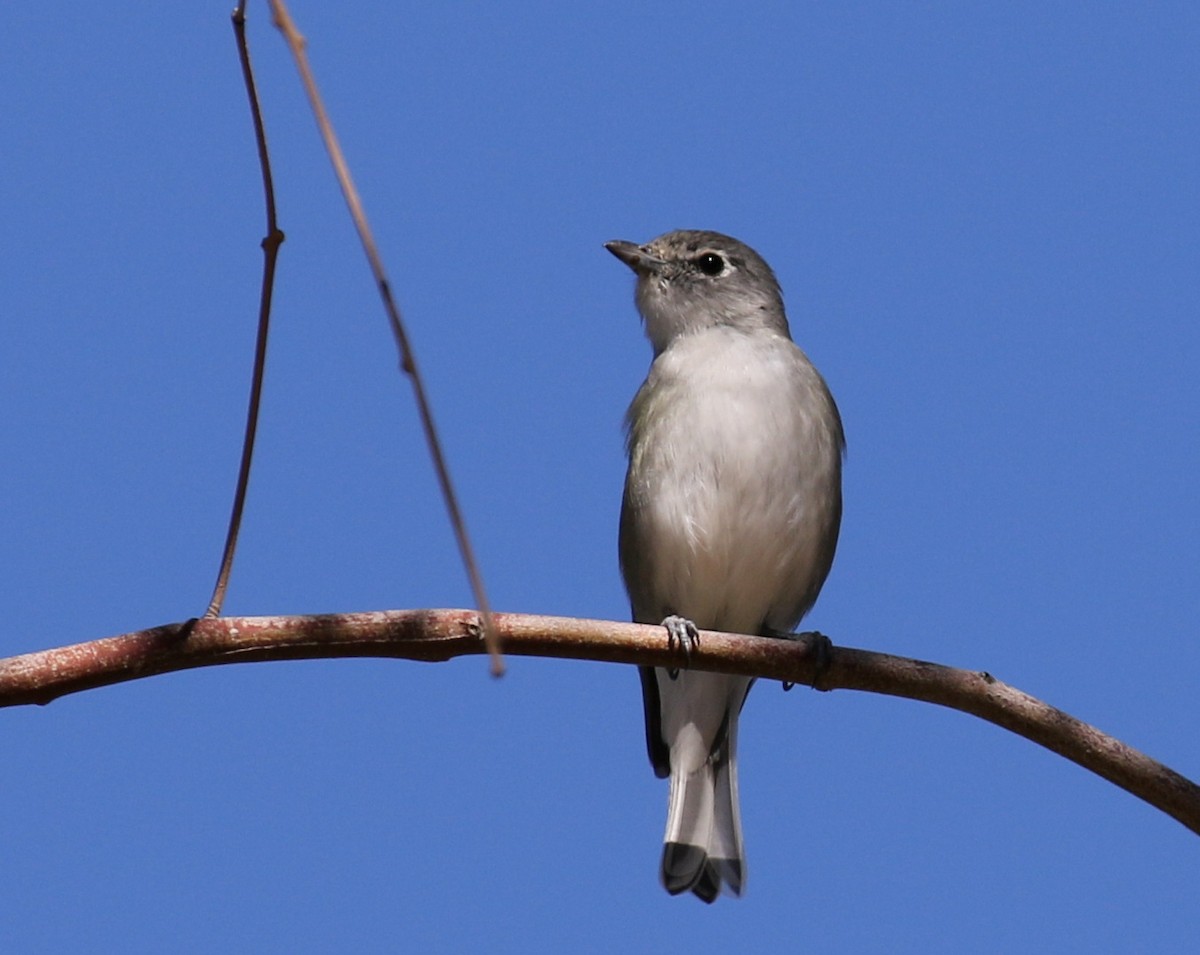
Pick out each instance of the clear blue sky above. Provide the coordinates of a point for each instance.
(986, 219)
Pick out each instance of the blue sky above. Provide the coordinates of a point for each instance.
(985, 220)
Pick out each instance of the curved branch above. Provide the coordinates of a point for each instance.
(270, 246)
(436, 635)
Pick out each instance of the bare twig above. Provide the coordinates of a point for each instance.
(434, 635)
(297, 43)
(270, 246)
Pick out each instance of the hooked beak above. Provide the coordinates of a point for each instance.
(636, 257)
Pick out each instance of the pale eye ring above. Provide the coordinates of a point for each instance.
(709, 263)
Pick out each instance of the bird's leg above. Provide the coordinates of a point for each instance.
(681, 631)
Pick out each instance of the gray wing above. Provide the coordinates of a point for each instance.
(634, 571)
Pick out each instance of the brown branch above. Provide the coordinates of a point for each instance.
(270, 246)
(408, 362)
(435, 635)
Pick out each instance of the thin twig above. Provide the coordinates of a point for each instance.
(270, 246)
(434, 635)
(297, 43)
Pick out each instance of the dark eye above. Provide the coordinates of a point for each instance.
(710, 263)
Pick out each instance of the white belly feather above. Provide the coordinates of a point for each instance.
(738, 477)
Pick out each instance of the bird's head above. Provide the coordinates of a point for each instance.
(690, 280)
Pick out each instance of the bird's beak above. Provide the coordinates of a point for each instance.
(636, 257)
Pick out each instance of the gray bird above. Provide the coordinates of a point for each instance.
(730, 518)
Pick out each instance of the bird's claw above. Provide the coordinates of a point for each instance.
(683, 632)
(821, 649)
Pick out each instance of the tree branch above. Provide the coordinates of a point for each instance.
(436, 635)
(270, 246)
(408, 360)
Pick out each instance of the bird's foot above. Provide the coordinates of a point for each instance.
(683, 632)
(821, 649)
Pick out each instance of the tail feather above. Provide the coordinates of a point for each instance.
(725, 843)
(702, 850)
(683, 867)
(690, 818)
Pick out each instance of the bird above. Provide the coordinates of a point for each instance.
(729, 520)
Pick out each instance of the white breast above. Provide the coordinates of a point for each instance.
(738, 467)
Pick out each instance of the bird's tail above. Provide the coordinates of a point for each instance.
(702, 849)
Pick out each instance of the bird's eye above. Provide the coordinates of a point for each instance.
(710, 263)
